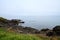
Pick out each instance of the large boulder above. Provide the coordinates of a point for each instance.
(56, 29)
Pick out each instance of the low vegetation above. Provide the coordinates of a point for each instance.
(4, 35)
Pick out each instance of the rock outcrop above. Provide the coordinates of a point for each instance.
(13, 26)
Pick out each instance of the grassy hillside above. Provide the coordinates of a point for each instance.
(4, 35)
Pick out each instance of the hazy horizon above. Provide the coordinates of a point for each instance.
(36, 13)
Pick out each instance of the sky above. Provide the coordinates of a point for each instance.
(36, 9)
(30, 7)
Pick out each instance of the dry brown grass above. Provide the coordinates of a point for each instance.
(54, 38)
(48, 38)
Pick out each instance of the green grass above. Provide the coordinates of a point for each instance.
(4, 35)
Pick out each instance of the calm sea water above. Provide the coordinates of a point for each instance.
(40, 22)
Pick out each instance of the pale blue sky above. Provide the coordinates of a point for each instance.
(30, 7)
